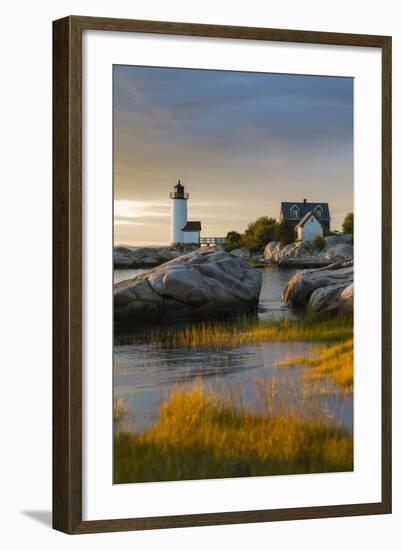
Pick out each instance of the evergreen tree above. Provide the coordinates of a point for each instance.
(348, 223)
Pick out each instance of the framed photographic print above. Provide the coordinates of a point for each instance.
(222, 274)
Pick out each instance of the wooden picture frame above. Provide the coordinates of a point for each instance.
(67, 274)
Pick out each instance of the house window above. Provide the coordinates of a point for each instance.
(294, 212)
(318, 213)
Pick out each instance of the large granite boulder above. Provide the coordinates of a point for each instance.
(276, 252)
(204, 284)
(272, 251)
(129, 257)
(311, 254)
(322, 291)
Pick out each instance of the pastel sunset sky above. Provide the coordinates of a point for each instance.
(240, 143)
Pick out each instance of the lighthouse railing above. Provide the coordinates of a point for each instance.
(212, 240)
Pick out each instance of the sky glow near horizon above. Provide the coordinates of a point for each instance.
(240, 143)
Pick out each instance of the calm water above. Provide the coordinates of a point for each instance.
(144, 374)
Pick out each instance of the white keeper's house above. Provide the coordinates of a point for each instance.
(183, 231)
(309, 219)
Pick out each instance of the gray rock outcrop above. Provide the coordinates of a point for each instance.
(323, 292)
(127, 257)
(310, 254)
(203, 284)
(241, 252)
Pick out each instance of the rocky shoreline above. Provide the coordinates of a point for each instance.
(212, 283)
(130, 257)
(307, 254)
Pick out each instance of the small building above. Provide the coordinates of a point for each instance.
(191, 231)
(294, 212)
(309, 228)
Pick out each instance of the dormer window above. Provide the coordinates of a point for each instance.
(294, 211)
(318, 212)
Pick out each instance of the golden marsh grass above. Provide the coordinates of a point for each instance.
(335, 362)
(244, 330)
(202, 434)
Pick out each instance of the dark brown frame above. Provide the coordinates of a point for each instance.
(67, 279)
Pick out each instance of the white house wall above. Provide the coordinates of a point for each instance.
(311, 229)
(191, 237)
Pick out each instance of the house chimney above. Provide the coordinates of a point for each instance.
(304, 201)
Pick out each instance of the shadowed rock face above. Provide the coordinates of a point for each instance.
(305, 254)
(324, 292)
(199, 285)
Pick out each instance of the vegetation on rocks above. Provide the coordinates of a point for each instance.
(259, 233)
(233, 241)
(348, 223)
(318, 242)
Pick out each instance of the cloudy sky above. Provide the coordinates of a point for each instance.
(240, 143)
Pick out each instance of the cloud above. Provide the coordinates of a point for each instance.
(127, 209)
(119, 221)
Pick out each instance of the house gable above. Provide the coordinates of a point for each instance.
(308, 216)
(309, 227)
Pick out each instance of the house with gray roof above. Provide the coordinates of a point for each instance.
(294, 212)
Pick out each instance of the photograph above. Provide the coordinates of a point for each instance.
(233, 277)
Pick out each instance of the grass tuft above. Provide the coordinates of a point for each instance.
(336, 362)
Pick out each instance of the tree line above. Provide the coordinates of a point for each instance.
(265, 230)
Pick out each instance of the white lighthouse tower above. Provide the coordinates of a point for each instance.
(179, 213)
(182, 230)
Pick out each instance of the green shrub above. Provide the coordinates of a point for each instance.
(259, 233)
(233, 240)
(286, 232)
(348, 223)
(318, 242)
